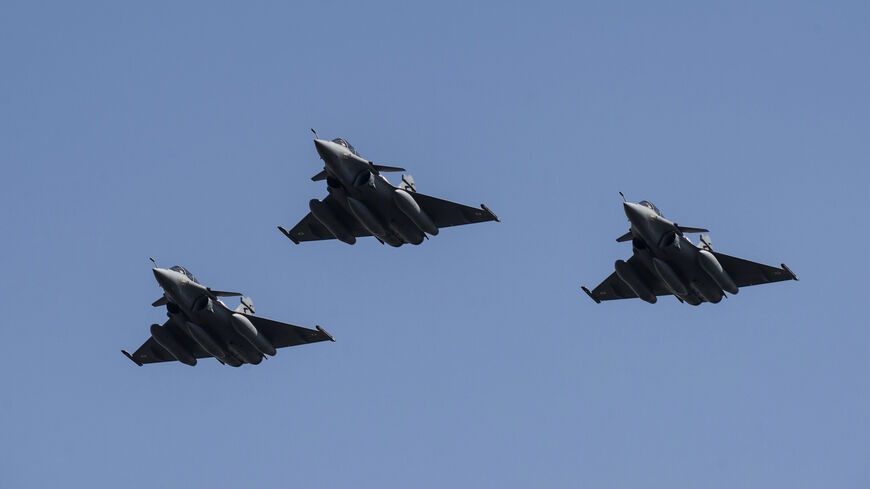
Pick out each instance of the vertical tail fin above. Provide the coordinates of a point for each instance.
(408, 184)
(246, 306)
(706, 244)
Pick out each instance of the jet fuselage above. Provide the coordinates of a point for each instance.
(206, 319)
(661, 247)
(368, 196)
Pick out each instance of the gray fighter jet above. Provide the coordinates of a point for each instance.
(361, 202)
(200, 325)
(666, 262)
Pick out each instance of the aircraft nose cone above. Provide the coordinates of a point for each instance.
(323, 148)
(636, 213)
(629, 209)
(163, 277)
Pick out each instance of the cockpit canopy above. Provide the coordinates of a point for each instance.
(180, 269)
(650, 205)
(346, 144)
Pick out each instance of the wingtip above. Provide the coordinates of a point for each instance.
(127, 354)
(320, 328)
(287, 233)
(788, 271)
(597, 301)
(491, 214)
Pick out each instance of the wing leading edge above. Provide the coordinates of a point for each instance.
(279, 334)
(445, 213)
(746, 273)
(152, 352)
(613, 288)
(310, 229)
(442, 212)
(282, 334)
(743, 272)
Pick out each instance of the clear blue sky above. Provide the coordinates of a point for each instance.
(180, 131)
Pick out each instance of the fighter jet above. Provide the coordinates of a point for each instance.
(200, 325)
(361, 202)
(666, 262)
